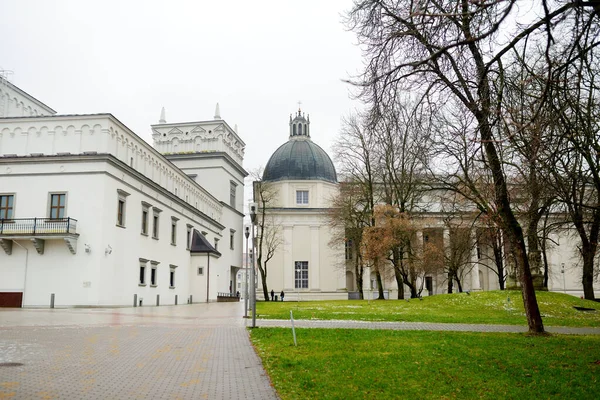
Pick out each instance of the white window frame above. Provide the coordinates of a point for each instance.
(154, 267)
(121, 214)
(301, 199)
(142, 272)
(174, 231)
(300, 282)
(14, 202)
(145, 208)
(64, 208)
(190, 230)
(200, 271)
(172, 269)
(155, 223)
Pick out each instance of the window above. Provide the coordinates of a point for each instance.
(143, 264)
(145, 212)
(122, 195)
(349, 255)
(153, 273)
(7, 202)
(172, 276)
(301, 275)
(189, 236)
(174, 231)
(232, 190)
(200, 270)
(231, 239)
(301, 196)
(144, 222)
(155, 222)
(57, 205)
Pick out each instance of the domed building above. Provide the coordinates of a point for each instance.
(297, 186)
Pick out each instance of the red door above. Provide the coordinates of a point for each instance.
(11, 299)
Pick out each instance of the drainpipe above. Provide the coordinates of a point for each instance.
(25, 277)
(208, 277)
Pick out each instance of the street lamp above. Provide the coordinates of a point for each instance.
(247, 234)
(252, 271)
(562, 271)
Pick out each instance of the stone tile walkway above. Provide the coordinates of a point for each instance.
(174, 352)
(199, 351)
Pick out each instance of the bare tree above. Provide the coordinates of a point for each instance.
(269, 236)
(348, 217)
(449, 48)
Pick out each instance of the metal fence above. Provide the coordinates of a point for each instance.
(38, 226)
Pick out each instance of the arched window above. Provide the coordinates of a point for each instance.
(294, 130)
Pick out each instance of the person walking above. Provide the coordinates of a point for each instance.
(282, 294)
(272, 295)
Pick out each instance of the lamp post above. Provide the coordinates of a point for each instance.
(562, 271)
(247, 234)
(252, 271)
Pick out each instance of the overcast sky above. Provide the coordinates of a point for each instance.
(257, 59)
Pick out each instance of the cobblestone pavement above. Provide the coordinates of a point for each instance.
(173, 352)
(419, 326)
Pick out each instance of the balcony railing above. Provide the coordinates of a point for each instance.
(38, 226)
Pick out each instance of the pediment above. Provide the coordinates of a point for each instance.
(198, 129)
(175, 131)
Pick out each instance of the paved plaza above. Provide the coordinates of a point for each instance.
(199, 351)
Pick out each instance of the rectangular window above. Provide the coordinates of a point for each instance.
(7, 202)
(301, 196)
(189, 237)
(349, 255)
(144, 222)
(200, 270)
(172, 276)
(143, 272)
(232, 190)
(57, 205)
(231, 239)
(121, 213)
(153, 273)
(122, 195)
(301, 274)
(173, 231)
(155, 222)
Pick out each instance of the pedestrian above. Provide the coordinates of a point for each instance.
(282, 294)
(272, 295)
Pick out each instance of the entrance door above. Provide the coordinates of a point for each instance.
(11, 299)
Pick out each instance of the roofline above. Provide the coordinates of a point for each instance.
(192, 123)
(212, 154)
(27, 95)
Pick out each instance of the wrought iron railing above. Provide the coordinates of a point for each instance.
(38, 226)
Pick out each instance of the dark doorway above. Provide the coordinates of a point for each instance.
(11, 299)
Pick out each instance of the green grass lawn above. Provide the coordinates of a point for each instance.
(492, 307)
(368, 364)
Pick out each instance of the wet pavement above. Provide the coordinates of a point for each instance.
(199, 351)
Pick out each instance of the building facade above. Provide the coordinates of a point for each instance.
(300, 183)
(92, 215)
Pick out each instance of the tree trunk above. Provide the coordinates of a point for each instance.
(379, 286)
(400, 283)
(358, 274)
(459, 283)
(263, 278)
(498, 259)
(450, 282)
(587, 277)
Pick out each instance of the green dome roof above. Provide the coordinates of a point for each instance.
(300, 159)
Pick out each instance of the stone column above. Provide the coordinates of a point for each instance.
(288, 262)
(314, 267)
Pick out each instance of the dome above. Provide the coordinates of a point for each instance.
(300, 159)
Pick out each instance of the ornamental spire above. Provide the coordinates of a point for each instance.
(162, 119)
(217, 112)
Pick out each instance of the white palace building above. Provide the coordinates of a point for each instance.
(92, 215)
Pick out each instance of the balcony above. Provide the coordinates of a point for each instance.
(38, 230)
